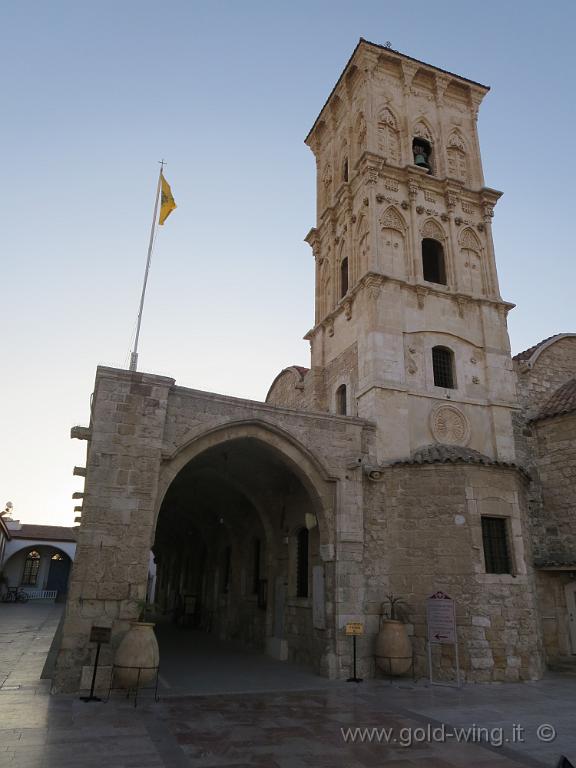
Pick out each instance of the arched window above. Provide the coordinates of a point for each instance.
(302, 556)
(433, 266)
(422, 151)
(443, 366)
(343, 277)
(31, 566)
(341, 405)
(345, 169)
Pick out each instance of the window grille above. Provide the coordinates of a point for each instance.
(31, 567)
(443, 365)
(495, 540)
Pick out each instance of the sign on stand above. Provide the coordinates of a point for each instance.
(441, 623)
(354, 629)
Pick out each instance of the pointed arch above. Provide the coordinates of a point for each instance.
(469, 239)
(325, 297)
(457, 156)
(423, 146)
(432, 229)
(392, 255)
(472, 266)
(360, 135)
(362, 249)
(344, 162)
(392, 219)
(422, 130)
(343, 271)
(388, 135)
(325, 191)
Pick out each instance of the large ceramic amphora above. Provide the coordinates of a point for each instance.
(393, 648)
(138, 649)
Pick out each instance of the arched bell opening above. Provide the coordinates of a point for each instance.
(228, 556)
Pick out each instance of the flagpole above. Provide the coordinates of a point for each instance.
(134, 354)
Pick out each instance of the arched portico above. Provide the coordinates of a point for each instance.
(232, 505)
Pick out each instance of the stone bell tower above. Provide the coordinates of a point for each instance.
(410, 328)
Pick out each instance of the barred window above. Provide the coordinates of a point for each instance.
(495, 541)
(343, 278)
(433, 266)
(341, 405)
(443, 366)
(302, 556)
(31, 567)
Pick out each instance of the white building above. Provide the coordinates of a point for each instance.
(37, 558)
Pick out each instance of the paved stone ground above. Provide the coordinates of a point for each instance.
(290, 729)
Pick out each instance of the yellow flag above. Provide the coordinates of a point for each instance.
(167, 203)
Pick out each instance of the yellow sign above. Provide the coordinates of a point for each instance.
(354, 628)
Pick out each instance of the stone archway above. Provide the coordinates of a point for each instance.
(230, 506)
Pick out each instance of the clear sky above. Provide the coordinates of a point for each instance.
(95, 93)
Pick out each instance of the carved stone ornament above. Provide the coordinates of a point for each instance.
(488, 211)
(420, 209)
(449, 425)
(421, 294)
(469, 240)
(404, 205)
(391, 219)
(457, 221)
(451, 200)
(330, 327)
(444, 216)
(461, 305)
(348, 309)
(480, 227)
(372, 174)
(412, 188)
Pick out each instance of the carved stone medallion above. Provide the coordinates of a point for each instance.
(449, 425)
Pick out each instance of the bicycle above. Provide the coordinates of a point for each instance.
(15, 595)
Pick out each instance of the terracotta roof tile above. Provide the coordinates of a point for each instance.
(527, 354)
(562, 401)
(451, 454)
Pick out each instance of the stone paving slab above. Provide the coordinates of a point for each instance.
(288, 729)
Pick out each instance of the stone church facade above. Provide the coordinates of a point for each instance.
(413, 455)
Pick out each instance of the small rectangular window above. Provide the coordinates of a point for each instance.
(495, 540)
(302, 563)
(443, 367)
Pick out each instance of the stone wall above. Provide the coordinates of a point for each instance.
(554, 366)
(555, 460)
(423, 534)
(143, 431)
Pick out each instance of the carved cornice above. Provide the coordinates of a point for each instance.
(372, 283)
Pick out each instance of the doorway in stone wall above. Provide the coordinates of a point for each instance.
(229, 554)
(570, 592)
